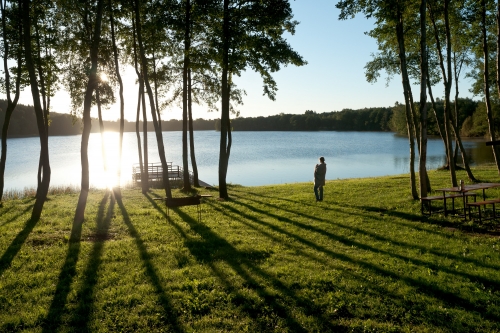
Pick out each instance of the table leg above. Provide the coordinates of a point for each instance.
(444, 200)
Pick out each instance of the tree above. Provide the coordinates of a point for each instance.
(43, 186)
(122, 103)
(92, 84)
(447, 81)
(423, 98)
(391, 32)
(489, 111)
(144, 66)
(12, 39)
(249, 35)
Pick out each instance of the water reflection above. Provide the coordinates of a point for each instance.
(476, 151)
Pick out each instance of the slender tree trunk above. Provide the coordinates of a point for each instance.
(101, 130)
(145, 175)
(122, 102)
(194, 166)
(438, 122)
(159, 135)
(155, 82)
(498, 47)
(43, 189)
(224, 130)
(5, 129)
(87, 123)
(138, 133)
(187, 44)
(423, 100)
(143, 162)
(41, 78)
(457, 131)
(489, 111)
(446, 73)
(11, 104)
(447, 104)
(409, 118)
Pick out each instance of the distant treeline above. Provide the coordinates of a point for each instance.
(23, 123)
(372, 119)
(471, 121)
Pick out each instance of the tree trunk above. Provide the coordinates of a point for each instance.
(11, 104)
(187, 45)
(101, 130)
(137, 131)
(145, 175)
(141, 101)
(224, 125)
(41, 78)
(498, 47)
(87, 123)
(440, 126)
(155, 81)
(447, 93)
(405, 81)
(456, 130)
(489, 111)
(423, 101)
(122, 102)
(446, 73)
(194, 166)
(43, 189)
(159, 135)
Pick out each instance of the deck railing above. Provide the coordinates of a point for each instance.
(155, 172)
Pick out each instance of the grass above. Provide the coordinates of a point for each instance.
(271, 259)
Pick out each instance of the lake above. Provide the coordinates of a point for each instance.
(257, 158)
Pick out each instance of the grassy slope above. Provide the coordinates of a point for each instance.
(271, 259)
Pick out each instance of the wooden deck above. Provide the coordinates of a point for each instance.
(155, 173)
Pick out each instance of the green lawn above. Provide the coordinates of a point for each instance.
(271, 259)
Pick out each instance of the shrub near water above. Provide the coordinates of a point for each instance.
(270, 259)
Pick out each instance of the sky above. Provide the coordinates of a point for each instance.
(333, 80)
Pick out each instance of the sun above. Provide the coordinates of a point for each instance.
(103, 77)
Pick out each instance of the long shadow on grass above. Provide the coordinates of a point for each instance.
(81, 316)
(66, 276)
(16, 245)
(459, 224)
(212, 247)
(15, 217)
(330, 286)
(349, 242)
(425, 287)
(171, 317)
(326, 206)
(373, 235)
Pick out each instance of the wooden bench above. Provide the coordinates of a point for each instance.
(183, 201)
(478, 204)
(427, 201)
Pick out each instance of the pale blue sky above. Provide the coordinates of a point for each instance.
(333, 79)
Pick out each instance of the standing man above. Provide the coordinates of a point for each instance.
(319, 178)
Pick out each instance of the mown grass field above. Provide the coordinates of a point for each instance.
(271, 259)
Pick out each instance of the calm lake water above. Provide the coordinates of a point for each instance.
(257, 158)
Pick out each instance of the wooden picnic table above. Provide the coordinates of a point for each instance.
(463, 191)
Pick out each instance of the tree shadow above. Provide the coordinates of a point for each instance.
(81, 315)
(16, 216)
(382, 211)
(212, 248)
(68, 272)
(16, 245)
(426, 287)
(171, 322)
(383, 239)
